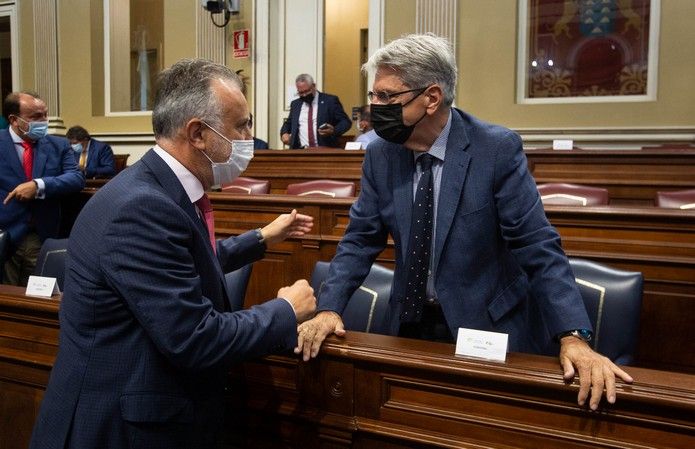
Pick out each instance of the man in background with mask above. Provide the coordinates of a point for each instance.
(146, 329)
(364, 125)
(94, 157)
(473, 247)
(36, 170)
(316, 119)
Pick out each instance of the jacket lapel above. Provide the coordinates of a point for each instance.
(402, 168)
(454, 173)
(9, 153)
(171, 184)
(41, 149)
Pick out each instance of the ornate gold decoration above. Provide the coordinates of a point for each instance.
(554, 82)
(633, 80)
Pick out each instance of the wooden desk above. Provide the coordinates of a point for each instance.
(631, 177)
(657, 242)
(372, 391)
(290, 166)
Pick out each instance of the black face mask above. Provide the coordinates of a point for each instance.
(307, 98)
(387, 121)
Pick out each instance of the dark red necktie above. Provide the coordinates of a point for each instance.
(205, 208)
(312, 139)
(28, 159)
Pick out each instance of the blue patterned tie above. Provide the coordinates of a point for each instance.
(419, 246)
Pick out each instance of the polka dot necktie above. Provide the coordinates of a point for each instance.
(419, 245)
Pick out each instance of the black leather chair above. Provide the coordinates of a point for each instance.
(237, 281)
(613, 300)
(51, 260)
(4, 243)
(367, 308)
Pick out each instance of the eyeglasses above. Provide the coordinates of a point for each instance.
(385, 97)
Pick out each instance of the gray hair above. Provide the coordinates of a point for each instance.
(419, 60)
(304, 78)
(183, 93)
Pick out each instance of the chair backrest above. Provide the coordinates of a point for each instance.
(236, 282)
(678, 199)
(4, 243)
(367, 308)
(613, 300)
(51, 260)
(323, 187)
(250, 186)
(572, 194)
(120, 161)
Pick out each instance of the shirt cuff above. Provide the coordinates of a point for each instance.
(41, 192)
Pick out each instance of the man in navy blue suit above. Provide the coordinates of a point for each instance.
(146, 330)
(316, 118)
(94, 158)
(493, 262)
(36, 170)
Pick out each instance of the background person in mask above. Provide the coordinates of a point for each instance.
(94, 158)
(367, 133)
(36, 170)
(455, 192)
(146, 330)
(316, 119)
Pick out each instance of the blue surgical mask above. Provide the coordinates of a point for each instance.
(225, 172)
(76, 147)
(36, 130)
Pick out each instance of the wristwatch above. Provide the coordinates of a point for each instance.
(582, 334)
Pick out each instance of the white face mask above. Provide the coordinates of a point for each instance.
(225, 172)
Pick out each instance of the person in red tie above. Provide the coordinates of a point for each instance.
(36, 170)
(316, 118)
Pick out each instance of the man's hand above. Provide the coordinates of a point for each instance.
(26, 191)
(326, 130)
(595, 371)
(311, 334)
(285, 138)
(301, 296)
(287, 225)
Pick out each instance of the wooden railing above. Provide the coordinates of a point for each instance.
(372, 391)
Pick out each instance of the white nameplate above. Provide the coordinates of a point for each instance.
(563, 144)
(353, 145)
(482, 344)
(43, 287)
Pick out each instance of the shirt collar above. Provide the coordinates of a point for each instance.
(438, 148)
(15, 137)
(191, 184)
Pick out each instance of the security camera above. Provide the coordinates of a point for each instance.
(218, 6)
(228, 7)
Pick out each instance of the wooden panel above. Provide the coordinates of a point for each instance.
(382, 392)
(375, 391)
(287, 167)
(631, 177)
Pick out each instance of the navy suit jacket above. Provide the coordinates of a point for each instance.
(54, 163)
(330, 111)
(100, 163)
(145, 338)
(498, 262)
